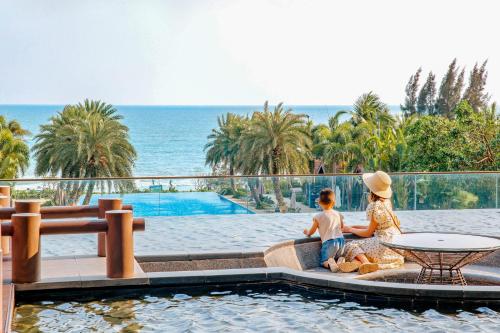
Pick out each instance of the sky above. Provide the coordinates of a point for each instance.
(227, 52)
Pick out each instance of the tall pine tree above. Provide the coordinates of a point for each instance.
(450, 91)
(475, 94)
(426, 103)
(410, 106)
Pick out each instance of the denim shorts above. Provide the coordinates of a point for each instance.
(332, 248)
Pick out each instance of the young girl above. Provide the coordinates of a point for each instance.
(330, 224)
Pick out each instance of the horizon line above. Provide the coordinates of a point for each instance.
(188, 105)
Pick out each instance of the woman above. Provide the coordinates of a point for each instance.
(368, 255)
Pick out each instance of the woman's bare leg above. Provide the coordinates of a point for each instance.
(363, 259)
(366, 265)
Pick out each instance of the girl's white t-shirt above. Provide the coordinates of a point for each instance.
(329, 224)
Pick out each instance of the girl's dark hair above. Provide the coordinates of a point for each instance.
(326, 196)
(374, 197)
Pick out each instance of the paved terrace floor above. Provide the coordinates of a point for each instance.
(258, 231)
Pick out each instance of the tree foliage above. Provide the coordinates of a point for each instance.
(469, 142)
(475, 93)
(450, 91)
(14, 152)
(271, 142)
(85, 140)
(426, 103)
(410, 105)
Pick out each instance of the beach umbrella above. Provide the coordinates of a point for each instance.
(293, 200)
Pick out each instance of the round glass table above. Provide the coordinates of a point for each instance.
(442, 255)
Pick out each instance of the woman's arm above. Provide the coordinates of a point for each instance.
(312, 230)
(367, 231)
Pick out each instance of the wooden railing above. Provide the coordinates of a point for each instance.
(22, 226)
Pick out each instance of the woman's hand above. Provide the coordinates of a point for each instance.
(306, 232)
(347, 229)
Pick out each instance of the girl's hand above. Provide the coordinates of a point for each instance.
(347, 229)
(306, 232)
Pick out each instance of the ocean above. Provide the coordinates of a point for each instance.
(169, 140)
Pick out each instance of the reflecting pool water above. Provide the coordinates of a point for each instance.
(275, 309)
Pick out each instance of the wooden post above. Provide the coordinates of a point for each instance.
(27, 206)
(26, 256)
(1, 288)
(5, 202)
(105, 204)
(119, 244)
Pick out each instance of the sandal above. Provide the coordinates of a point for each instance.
(368, 268)
(349, 266)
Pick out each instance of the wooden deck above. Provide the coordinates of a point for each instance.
(8, 300)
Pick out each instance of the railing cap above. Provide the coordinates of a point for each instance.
(26, 214)
(423, 173)
(119, 211)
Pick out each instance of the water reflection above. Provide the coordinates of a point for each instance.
(248, 310)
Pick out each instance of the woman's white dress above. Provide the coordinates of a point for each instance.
(371, 247)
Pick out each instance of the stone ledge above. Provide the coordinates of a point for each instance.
(326, 282)
(185, 256)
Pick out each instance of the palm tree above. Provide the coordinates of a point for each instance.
(369, 108)
(85, 141)
(276, 142)
(224, 142)
(342, 144)
(14, 152)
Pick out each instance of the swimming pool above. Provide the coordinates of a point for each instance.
(177, 204)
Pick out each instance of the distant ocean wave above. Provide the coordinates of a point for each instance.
(169, 139)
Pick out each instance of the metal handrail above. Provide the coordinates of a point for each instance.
(49, 179)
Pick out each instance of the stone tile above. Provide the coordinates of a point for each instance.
(53, 268)
(311, 279)
(252, 263)
(91, 266)
(93, 274)
(253, 253)
(176, 278)
(8, 306)
(217, 264)
(171, 256)
(215, 255)
(6, 271)
(51, 283)
(275, 273)
(236, 275)
(168, 266)
(100, 281)
(481, 292)
(441, 291)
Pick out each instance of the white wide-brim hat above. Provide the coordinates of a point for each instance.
(379, 183)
